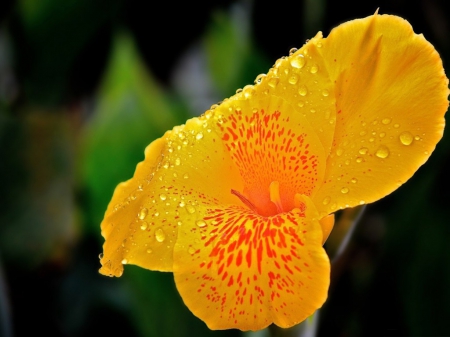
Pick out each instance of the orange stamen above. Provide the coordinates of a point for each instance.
(274, 190)
(247, 202)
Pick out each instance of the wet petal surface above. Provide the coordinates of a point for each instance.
(391, 97)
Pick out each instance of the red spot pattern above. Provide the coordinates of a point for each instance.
(265, 148)
(254, 262)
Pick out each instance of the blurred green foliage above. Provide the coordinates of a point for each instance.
(79, 102)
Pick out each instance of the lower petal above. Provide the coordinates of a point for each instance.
(242, 270)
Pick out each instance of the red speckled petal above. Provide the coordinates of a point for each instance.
(237, 269)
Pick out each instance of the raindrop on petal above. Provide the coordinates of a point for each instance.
(160, 235)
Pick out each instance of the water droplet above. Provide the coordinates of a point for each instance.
(191, 250)
(178, 160)
(238, 91)
(149, 251)
(382, 152)
(190, 209)
(396, 126)
(259, 78)
(199, 135)
(326, 201)
(273, 82)
(314, 69)
(362, 202)
(325, 93)
(100, 256)
(371, 139)
(160, 235)
(362, 133)
(382, 134)
(248, 91)
(201, 223)
(162, 197)
(359, 160)
(417, 137)
(302, 90)
(347, 162)
(363, 150)
(124, 261)
(166, 165)
(344, 190)
(182, 203)
(301, 104)
(293, 79)
(339, 152)
(298, 61)
(143, 213)
(406, 138)
(156, 214)
(354, 180)
(144, 225)
(179, 223)
(386, 121)
(292, 51)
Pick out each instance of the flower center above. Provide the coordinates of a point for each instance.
(265, 204)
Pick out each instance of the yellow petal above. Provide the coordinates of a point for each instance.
(180, 170)
(238, 269)
(391, 96)
(303, 80)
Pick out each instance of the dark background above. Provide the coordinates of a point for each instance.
(85, 85)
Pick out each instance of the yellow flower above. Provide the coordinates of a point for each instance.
(238, 202)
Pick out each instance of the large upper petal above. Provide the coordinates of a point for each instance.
(391, 96)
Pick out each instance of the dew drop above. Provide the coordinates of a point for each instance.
(201, 223)
(160, 235)
(363, 150)
(362, 202)
(382, 152)
(162, 197)
(238, 91)
(301, 104)
(149, 251)
(178, 160)
(325, 93)
(386, 121)
(292, 51)
(100, 256)
(371, 139)
(156, 214)
(259, 78)
(143, 213)
(314, 69)
(406, 138)
(382, 134)
(273, 82)
(298, 61)
(190, 209)
(191, 250)
(339, 152)
(362, 133)
(293, 79)
(179, 223)
(144, 225)
(344, 190)
(326, 201)
(182, 203)
(199, 135)
(302, 90)
(354, 180)
(359, 160)
(396, 126)
(124, 261)
(186, 176)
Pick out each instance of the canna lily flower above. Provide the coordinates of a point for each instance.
(238, 202)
